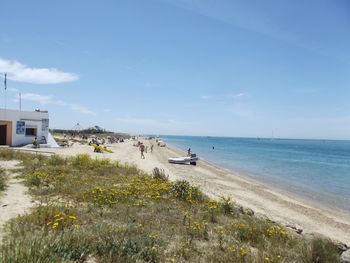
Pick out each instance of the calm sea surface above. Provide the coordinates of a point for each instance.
(317, 170)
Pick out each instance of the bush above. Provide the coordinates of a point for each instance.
(159, 173)
(186, 192)
(227, 206)
(323, 251)
(82, 161)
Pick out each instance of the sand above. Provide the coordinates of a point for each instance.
(216, 182)
(14, 201)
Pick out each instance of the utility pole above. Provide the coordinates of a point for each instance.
(20, 102)
(5, 84)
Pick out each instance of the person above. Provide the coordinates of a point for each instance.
(152, 148)
(97, 148)
(189, 152)
(142, 149)
(213, 147)
(35, 142)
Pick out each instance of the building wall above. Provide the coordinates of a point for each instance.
(30, 119)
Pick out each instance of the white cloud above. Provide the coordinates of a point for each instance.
(41, 99)
(81, 109)
(36, 98)
(17, 71)
(49, 99)
(241, 94)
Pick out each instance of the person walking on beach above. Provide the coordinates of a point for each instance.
(142, 149)
(189, 152)
(152, 148)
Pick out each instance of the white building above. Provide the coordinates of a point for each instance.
(21, 127)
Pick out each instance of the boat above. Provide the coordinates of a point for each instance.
(184, 160)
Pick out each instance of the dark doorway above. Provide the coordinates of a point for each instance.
(3, 133)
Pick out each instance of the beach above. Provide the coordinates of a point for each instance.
(265, 201)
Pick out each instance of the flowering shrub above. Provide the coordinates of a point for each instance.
(183, 190)
(226, 205)
(142, 187)
(276, 231)
(198, 229)
(247, 232)
(61, 221)
(38, 178)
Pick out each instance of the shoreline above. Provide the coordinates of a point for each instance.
(276, 188)
(282, 190)
(338, 215)
(217, 181)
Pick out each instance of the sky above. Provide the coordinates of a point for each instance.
(246, 68)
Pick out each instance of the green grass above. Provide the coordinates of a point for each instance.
(117, 213)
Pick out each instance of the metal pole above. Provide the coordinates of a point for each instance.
(20, 102)
(5, 84)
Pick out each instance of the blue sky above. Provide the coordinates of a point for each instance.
(192, 67)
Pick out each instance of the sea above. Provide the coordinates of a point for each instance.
(313, 170)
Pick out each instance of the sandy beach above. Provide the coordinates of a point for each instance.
(216, 182)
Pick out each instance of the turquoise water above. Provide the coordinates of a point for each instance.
(317, 170)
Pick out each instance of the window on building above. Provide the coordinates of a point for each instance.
(31, 131)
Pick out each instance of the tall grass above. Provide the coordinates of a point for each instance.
(117, 213)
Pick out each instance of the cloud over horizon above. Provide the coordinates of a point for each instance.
(49, 99)
(19, 72)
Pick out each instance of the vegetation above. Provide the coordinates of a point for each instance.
(114, 212)
(2, 180)
(92, 130)
(95, 130)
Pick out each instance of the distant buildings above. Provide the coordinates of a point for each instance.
(21, 127)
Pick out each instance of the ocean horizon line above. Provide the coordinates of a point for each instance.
(243, 137)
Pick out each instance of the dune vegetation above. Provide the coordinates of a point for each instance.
(97, 210)
(2, 180)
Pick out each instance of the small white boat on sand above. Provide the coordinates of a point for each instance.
(184, 160)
